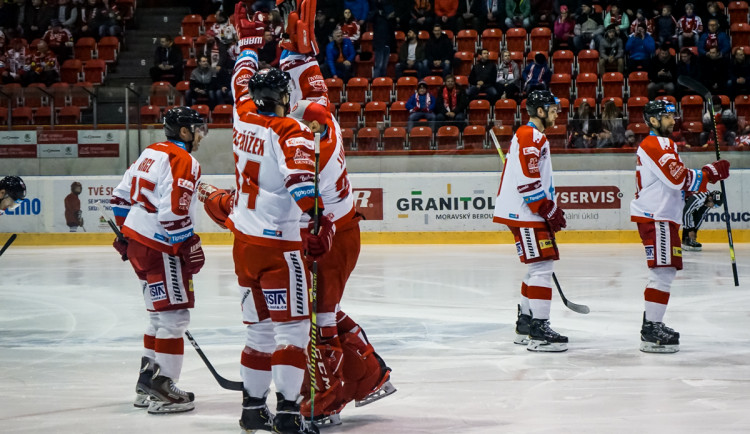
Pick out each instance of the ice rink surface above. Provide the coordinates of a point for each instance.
(442, 316)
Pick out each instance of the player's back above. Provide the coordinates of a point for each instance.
(660, 174)
(335, 188)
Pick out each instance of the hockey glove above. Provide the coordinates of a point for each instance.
(192, 254)
(716, 171)
(554, 216)
(121, 245)
(249, 32)
(318, 245)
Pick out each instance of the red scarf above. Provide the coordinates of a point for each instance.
(427, 101)
(450, 98)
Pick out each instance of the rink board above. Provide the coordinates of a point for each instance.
(455, 207)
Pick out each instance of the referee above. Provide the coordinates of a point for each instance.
(696, 207)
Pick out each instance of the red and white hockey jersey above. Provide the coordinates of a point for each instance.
(307, 80)
(526, 180)
(154, 200)
(660, 178)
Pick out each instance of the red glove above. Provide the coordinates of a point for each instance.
(716, 171)
(249, 32)
(318, 245)
(121, 245)
(192, 254)
(555, 216)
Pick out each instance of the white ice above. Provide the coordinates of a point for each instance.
(72, 318)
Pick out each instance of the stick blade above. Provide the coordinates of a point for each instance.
(695, 85)
(578, 308)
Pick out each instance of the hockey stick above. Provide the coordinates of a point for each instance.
(575, 307)
(314, 287)
(8, 243)
(697, 86)
(223, 382)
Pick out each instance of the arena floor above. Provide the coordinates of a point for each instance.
(72, 318)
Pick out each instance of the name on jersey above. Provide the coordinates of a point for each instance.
(247, 142)
(157, 292)
(145, 165)
(275, 299)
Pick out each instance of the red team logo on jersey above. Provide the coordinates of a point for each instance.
(369, 202)
(589, 197)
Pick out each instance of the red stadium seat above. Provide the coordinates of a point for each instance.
(150, 114)
(557, 136)
(391, 68)
(462, 81)
(15, 92)
(85, 48)
(612, 84)
(43, 116)
(185, 43)
(561, 85)
(356, 90)
(199, 45)
(466, 40)
(692, 108)
(222, 114)
(504, 134)
(80, 94)
(588, 61)
(562, 61)
(562, 116)
(190, 65)
(34, 96)
(740, 34)
(586, 84)
(639, 128)
(400, 38)
(162, 94)
(405, 87)
(94, 71)
(21, 116)
(382, 89)
(524, 112)
(349, 113)
(447, 137)
(617, 100)
(479, 112)
(742, 108)
(61, 94)
(492, 39)
(434, 82)
(464, 60)
(71, 71)
(591, 102)
(375, 112)
(182, 88)
(69, 115)
(394, 139)
(505, 112)
(365, 42)
(423, 35)
(335, 87)
(399, 116)
(474, 137)
(515, 39)
(191, 25)
(368, 139)
(737, 12)
(541, 39)
(635, 108)
(347, 135)
(532, 54)
(420, 138)
(363, 68)
(108, 49)
(638, 83)
(203, 110)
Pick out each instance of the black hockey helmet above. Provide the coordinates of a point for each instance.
(657, 109)
(178, 117)
(14, 187)
(716, 198)
(268, 87)
(540, 98)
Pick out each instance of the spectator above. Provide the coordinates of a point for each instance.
(583, 128)
(411, 55)
(99, 20)
(270, 53)
(350, 27)
(715, 70)
(200, 84)
(482, 78)
(339, 56)
(221, 84)
(640, 18)
(68, 15)
(714, 38)
(662, 74)
(518, 13)
(536, 75)
(588, 26)
(474, 14)
(330, 11)
(611, 54)
(543, 13)
(382, 18)
(563, 30)
(612, 133)
(451, 104)
(445, 14)
(421, 105)
(45, 67)
(739, 73)
(687, 65)
(401, 13)
(715, 13)
(36, 20)
(421, 15)
(59, 40)
(8, 16)
(323, 32)
(689, 28)
(618, 19)
(665, 27)
(508, 77)
(167, 62)
(640, 47)
(439, 51)
(16, 62)
(222, 34)
(359, 9)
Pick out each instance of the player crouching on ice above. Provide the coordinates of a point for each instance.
(661, 182)
(154, 206)
(696, 207)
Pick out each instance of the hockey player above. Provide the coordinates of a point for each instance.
(696, 207)
(12, 193)
(526, 204)
(154, 206)
(661, 180)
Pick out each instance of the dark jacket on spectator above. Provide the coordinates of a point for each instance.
(485, 72)
(439, 49)
(722, 41)
(462, 101)
(715, 73)
(201, 78)
(39, 17)
(657, 65)
(171, 56)
(419, 53)
(8, 16)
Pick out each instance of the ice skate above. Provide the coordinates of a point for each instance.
(691, 245)
(383, 389)
(543, 339)
(166, 397)
(288, 419)
(255, 414)
(658, 338)
(143, 386)
(326, 420)
(522, 328)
